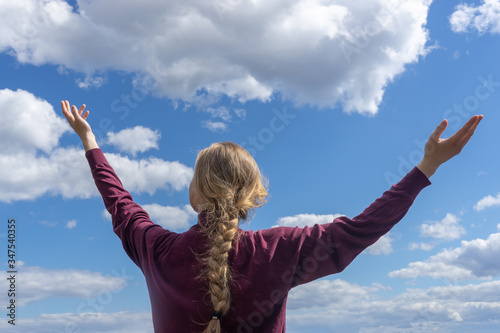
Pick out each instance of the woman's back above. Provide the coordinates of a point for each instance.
(264, 264)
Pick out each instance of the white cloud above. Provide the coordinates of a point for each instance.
(486, 202)
(473, 259)
(149, 175)
(446, 229)
(346, 307)
(319, 294)
(71, 224)
(34, 164)
(241, 113)
(311, 52)
(214, 126)
(91, 82)
(65, 172)
(483, 18)
(221, 112)
(435, 269)
(382, 246)
(135, 140)
(28, 176)
(88, 322)
(28, 123)
(422, 246)
(38, 283)
(172, 218)
(169, 217)
(301, 220)
(224, 117)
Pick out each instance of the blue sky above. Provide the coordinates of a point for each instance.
(334, 100)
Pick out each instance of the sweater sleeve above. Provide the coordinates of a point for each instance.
(131, 222)
(300, 255)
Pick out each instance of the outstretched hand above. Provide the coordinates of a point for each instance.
(77, 120)
(438, 151)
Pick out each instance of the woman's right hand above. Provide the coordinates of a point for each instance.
(77, 120)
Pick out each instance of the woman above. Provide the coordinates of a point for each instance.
(216, 277)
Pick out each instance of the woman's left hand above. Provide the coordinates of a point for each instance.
(438, 150)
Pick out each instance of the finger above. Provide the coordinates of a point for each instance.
(74, 110)
(81, 109)
(471, 131)
(66, 112)
(461, 133)
(68, 108)
(439, 130)
(63, 107)
(86, 114)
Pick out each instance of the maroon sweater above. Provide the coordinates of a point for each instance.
(265, 264)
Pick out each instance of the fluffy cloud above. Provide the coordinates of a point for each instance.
(446, 229)
(134, 140)
(241, 113)
(483, 18)
(473, 259)
(34, 164)
(422, 246)
(89, 322)
(171, 218)
(65, 172)
(301, 220)
(221, 117)
(71, 224)
(318, 294)
(28, 176)
(342, 306)
(486, 202)
(149, 175)
(322, 53)
(221, 112)
(214, 126)
(38, 283)
(28, 123)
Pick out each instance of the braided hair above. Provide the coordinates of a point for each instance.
(227, 186)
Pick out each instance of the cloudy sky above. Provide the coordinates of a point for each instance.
(335, 100)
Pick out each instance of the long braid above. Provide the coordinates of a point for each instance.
(227, 186)
(218, 270)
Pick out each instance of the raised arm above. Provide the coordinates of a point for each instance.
(77, 120)
(130, 222)
(314, 252)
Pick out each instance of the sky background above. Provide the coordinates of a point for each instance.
(334, 99)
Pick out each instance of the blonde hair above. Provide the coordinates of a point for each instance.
(229, 186)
